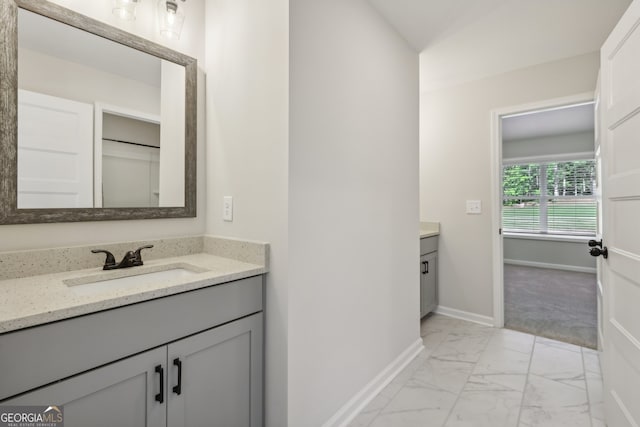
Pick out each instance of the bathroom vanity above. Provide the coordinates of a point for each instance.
(181, 351)
(429, 233)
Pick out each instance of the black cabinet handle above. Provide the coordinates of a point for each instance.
(177, 389)
(160, 396)
(425, 267)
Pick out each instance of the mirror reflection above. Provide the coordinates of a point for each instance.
(99, 124)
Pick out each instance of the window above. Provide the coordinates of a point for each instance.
(549, 198)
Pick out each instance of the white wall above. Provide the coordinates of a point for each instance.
(130, 130)
(172, 135)
(247, 153)
(353, 203)
(455, 165)
(345, 301)
(16, 237)
(65, 79)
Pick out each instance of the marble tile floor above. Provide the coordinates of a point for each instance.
(471, 375)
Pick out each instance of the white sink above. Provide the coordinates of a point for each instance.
(129, 278)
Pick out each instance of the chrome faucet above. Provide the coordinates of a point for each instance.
(131, 258)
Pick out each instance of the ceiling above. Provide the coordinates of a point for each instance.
(550, 122)
(465, 40)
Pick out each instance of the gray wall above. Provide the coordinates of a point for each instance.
(560, 254)
(549, 146)
(548, 253)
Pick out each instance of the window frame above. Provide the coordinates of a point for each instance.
(543, 198)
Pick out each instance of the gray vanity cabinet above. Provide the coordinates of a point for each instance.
(120, 394)
(186, 360)
(221, 377)
(428, 275)
(213, 378)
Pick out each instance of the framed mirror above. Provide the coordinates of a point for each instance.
(95, 123)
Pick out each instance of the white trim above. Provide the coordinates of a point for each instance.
(563, 267)
(549, 104)
(568, 157)
(130, 152)
(548, 237)
(626, 334)
(357, 403)
(558, 107)
(496, 191)
(497, 247)
(465, 315)
(623, 408)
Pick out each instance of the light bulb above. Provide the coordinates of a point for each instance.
(171, 16)
(125, 9)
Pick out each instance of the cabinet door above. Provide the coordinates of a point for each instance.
(119, 394)
(428, 283)
(221, 377)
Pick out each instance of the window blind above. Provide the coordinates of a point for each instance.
(551, 197)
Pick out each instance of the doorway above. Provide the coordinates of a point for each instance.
(545, 175)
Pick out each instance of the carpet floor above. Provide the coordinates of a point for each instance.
(556, 304)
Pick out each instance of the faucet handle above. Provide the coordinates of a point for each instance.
(109, 261)
(138, 255)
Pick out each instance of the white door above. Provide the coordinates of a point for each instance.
(55, 152)
(620, 146)
(598, 197)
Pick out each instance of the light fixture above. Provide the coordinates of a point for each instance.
(125, 9)
(171, 16)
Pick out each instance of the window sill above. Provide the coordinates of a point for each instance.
(548, 237)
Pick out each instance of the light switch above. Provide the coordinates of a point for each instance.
(227, 208)
(474, 207)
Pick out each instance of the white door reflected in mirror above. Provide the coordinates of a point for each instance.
(54, 160)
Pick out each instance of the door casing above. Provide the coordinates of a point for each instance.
(496, 188)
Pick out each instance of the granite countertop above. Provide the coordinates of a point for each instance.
(35, 300)
(429, 229)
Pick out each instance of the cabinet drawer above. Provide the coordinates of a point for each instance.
(428, 244)
(37, 356)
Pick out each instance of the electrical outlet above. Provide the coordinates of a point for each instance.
(474, 207)
(227, 208)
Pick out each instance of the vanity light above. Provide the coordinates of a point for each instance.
(171, 16)
(125, 9)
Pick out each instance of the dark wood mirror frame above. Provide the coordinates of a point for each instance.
(9, 212)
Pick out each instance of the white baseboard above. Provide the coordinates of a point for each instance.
(552, 266)
(465, 315)
(357, 403)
